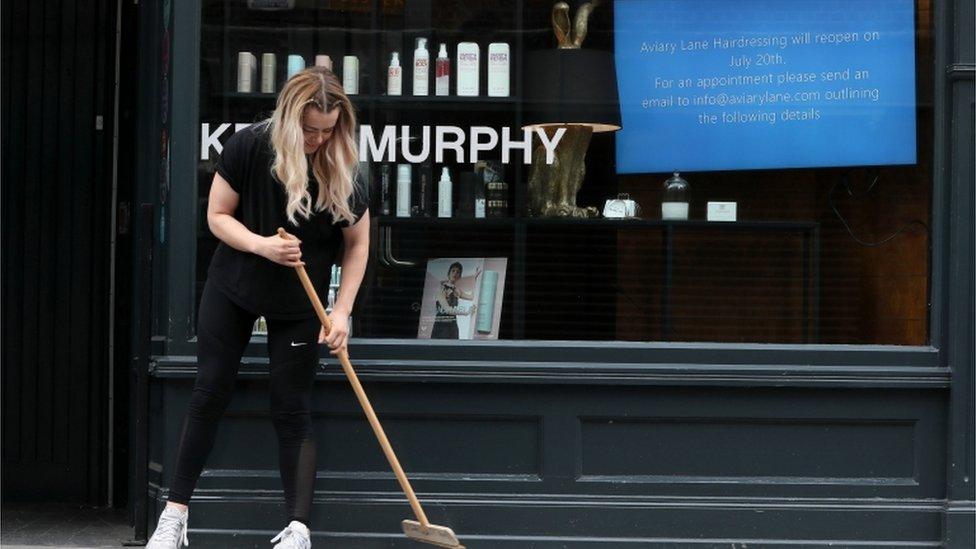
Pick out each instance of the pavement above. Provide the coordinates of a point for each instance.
(50, 526)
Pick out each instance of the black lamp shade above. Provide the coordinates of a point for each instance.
(571, 86)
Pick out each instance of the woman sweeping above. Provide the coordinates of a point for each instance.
(295, 170)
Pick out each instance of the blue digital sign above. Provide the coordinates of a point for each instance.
(758, 84)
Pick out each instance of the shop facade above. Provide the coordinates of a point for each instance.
(799, 373)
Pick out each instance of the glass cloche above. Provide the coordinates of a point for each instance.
(674, 204)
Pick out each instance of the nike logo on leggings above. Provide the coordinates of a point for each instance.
(293, 344)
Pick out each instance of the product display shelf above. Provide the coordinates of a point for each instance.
(598, 222)
(452, 223)
(258, 101)
(665, 223)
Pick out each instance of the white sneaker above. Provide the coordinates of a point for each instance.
(294, 536)
(170, 530)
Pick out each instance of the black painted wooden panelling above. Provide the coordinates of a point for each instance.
(57, 193)
(509, 465)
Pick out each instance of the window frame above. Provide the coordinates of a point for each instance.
(176, 294)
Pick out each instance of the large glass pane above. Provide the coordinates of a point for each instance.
(813, 118)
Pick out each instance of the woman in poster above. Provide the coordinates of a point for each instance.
(447, 303)
(296, 170)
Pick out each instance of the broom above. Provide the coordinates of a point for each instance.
(421, 529)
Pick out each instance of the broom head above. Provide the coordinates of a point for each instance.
(441, 536)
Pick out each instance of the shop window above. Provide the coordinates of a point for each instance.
(801, 133)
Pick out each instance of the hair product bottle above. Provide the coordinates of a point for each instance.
(350, 74)
(467, 181)
(394, 76)
(385, 189)
(403, 190)
(442, 78)
(425, 189)
(268, 65)
(486, 302)
(444, 194)
(369, 182)
(246, 67)
(296, 63)
(323, 61)
(468, 62)
(498, 71)
(421, 68)
(479, 198)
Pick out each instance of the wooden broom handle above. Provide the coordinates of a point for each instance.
(361, 394)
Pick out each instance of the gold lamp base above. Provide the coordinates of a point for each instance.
(553, 187)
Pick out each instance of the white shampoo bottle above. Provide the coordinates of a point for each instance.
(403, 190)
(444, 193)
(498, 63)
(246, 68)
(468, 62)
(421, 68)
(268, 68)
(350, 74)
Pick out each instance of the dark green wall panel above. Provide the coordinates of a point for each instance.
(576, 466)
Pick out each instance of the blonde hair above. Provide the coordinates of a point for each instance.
(334, 164)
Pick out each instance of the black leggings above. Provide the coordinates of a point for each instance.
(223, 331)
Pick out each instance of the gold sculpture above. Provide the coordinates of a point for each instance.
(569, 39)
(553, 187)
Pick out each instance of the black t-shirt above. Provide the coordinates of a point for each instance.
(253, 282)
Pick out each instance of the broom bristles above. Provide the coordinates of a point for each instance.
(441, 536)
